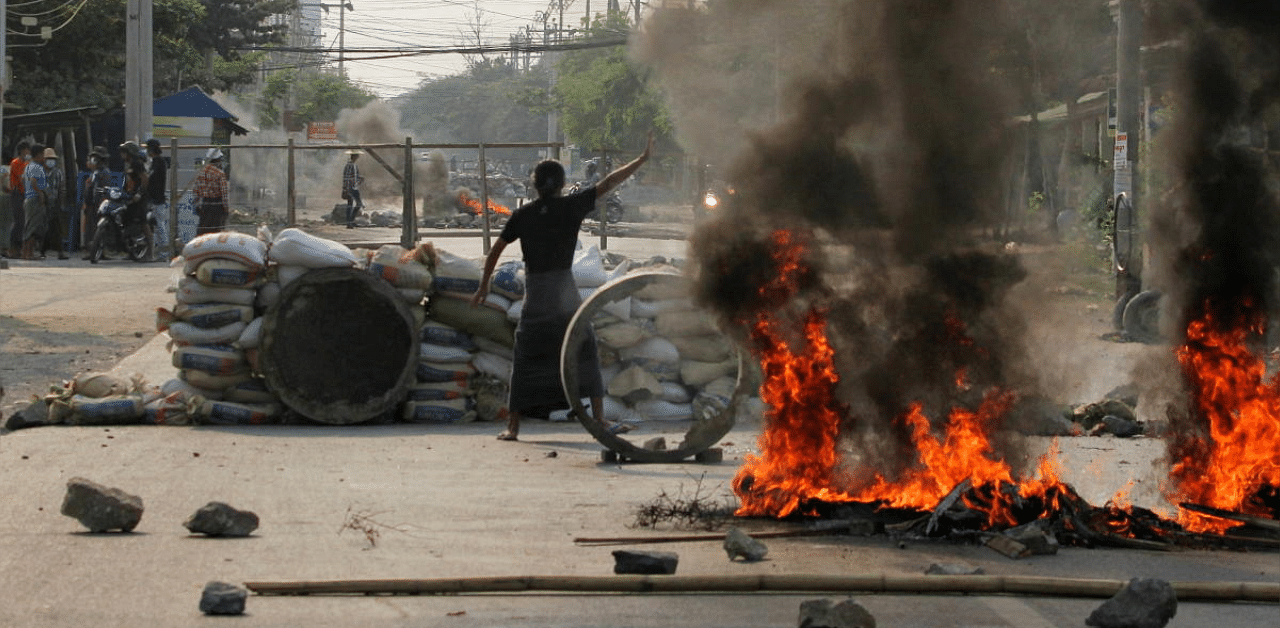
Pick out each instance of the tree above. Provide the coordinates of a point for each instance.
(488, 102)
(603, 99)
(195, 43)
(319, 97)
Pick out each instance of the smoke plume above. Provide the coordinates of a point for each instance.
(886, 157)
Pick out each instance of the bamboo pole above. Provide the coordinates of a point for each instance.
(1254, 520)
(1209, 591)
(632, 540)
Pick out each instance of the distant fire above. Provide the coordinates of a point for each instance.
(799, 464)
(473, 205)
(1240, 454)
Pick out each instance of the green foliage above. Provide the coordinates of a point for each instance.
(490, 101)
(604, 101)
(84, 63)
(319, 97)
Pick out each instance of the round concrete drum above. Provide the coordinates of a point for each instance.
(668, 372)
(340, 346)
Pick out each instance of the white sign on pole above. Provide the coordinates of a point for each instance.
(1123, 182)
(1121, 159)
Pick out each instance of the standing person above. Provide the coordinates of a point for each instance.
(56, 232)
(13, 237)
(94, 186)
(212, 203)
(548, 231)
(157, 189)
(36, 189)
(351, 181)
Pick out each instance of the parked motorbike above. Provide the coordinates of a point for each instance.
(114, 231)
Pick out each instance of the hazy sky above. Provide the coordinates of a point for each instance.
(398, 23)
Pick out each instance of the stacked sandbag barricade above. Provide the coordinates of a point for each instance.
(216, 329)
(665, 365)
(98, 399)
(464, 371)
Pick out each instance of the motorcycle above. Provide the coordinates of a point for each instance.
(113, 230)
(612, 204)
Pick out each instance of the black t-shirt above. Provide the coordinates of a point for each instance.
(548, 229)
(157, 169)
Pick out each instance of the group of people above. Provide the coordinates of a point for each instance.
(31, 219)
(34, 211)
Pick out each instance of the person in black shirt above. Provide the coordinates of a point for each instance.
(157, 189)
(547, 228)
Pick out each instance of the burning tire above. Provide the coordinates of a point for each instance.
(703, 431)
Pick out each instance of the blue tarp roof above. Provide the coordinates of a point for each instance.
(190, 103)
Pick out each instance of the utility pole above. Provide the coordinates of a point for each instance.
(4, 64)
(343, 7)
(1128, 247)
(138, 71)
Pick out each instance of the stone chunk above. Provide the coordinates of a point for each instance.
(219, 519)
(1035, 536)
(100, 508)
(222, 598)
(738, 544)
(1143, 603)
(829, 614)
(631, 562)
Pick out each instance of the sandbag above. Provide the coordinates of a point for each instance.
(645, 308)
(224, 245)
(253, 390)
(588, 268)
(514, 312)
(82, 410)
(489, 395)
(400, 268)
(201, 379)
(167, 410)
(659, 410)
(210, 412)
(620, 335)
(459, 372)
(227, 273)
(268, 295)
(479, 321)
(694, 373)
(664, 290)
(496, 348)
(634, 385)
(177, 385)
(212, 359)
(288, 273)
(508, 280)
(441, 411)
(299, 248)
(429, 352)
(714, 398)
(492, 365)
(614, 411)
(497, 302)
(191, 291)
(672, 324)
(98, 385)
(456, 275)
(438, 333)
(675, 393)
(657, 355)
(204, 315)
(187, 334)
(704, 348)
(412, 296)
(251, 336)
(435, 391)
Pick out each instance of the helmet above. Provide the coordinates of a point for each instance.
(213, 154)
(131, 149)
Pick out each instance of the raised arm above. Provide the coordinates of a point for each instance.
(615, 178)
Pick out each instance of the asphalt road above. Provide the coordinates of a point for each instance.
(450, 501)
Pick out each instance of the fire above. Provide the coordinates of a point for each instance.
(473, 205)
(799, 461)
(1239, 453)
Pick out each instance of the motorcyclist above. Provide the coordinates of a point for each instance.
(135, 182)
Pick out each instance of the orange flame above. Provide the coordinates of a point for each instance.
(474, 205)
(1240, 453)
(799, 460)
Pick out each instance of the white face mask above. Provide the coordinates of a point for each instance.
(26, 157)
(50, 163)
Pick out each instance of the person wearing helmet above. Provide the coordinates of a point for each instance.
(94, 191)
(212, 202)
